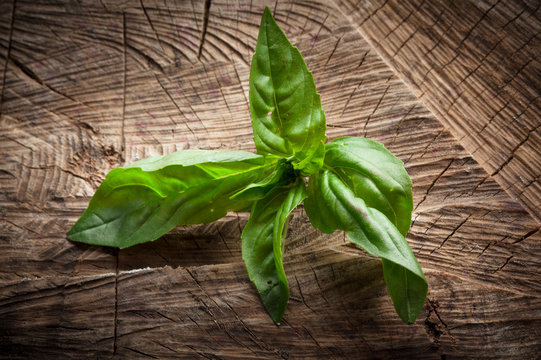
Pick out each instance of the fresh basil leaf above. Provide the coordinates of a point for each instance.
(144, 200)
(262, 245)
(287, 117)
(375, 174)
(407, 290)
(284, 174)
(332, 205)
(311, 165)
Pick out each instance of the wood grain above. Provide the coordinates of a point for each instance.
(92, 86)
(67, 317)
(475, 64)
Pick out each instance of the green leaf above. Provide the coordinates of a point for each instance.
(284, 174)
(262, 245)
(144, 200)
(287, 117)
(373, 172)
(359, 169)
(407, 290)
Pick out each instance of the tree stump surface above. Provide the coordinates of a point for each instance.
(451, 89)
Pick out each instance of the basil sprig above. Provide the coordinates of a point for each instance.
(287, 117)
(355, 185)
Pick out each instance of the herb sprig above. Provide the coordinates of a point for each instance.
(355, 184)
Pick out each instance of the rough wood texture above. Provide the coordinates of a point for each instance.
(91, 86)
(476, 65)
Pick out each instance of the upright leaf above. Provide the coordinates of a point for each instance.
(366, 191)
(145, 200)
(287, 117)
(262, 245)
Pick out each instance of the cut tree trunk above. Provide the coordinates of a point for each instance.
(451, 89)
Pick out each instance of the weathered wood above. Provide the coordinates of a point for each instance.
(476, 65)
(91, 87)
(58, 317)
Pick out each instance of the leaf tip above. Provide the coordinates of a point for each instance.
(268, 17)
(276, 316)
(409, 318)
(73, 231)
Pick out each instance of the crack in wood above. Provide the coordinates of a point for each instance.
(435, 327)
(530, 183)
(485, 249)
(207, 309)
(350, 96)
(123, 149)
(457, 49)
(227, 45)
(115, 317)
(17, 142)
(311, 336)
(480, 183)
(22, 227)
(206, 11)
(166, 317)
(504, 264)
(434, 46)
(166, 347)
(8, 55)
(406, 41)
(527, 235)
(433, 183)
(301, 294)
(492, 118)
(261, 343)
(176, 106)
(373, 13)
(481, 62)
(54, 166)
(363, 59)
(319, 285)
(220, 88)
(141, 352)
(513, 19)
(274, 9)
(224, 241)
(399, 125)
(451, 234)
(104, 7)
(210, 356)
(333, 50)
(316, 37)
(199, 352)
(240, 84)
(376, 108)
(500, 168)
(151, 25)
(33, 77)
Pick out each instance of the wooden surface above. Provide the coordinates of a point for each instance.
(477, 66)
(91, 86)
